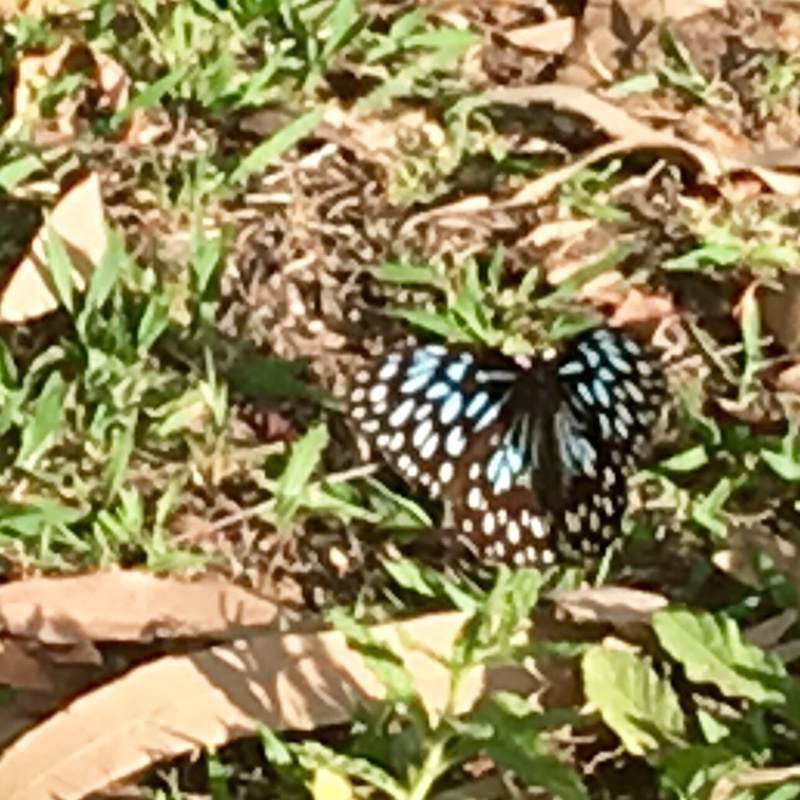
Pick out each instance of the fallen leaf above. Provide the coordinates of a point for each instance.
(767, 634)
(780, 311)
(177, 704)
(127, 606)
(79, 219)
(788, 380)
(638, 307)
(610, 31)
(36, 8)
(33, 71)
(617, 606)
(553, 36)
(629, 134)
(21, 670)
(730, 786)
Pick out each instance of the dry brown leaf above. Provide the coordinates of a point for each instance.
(127, 606)
(79, 219)
(639, 307)
(746, 541)
(629, 135)
(609, 28)
(618, 606)
(9, 8)
(20, 669)
(767, 634)
(553, 36)
(730, 786)
(788, 380)
(178, 704)
(780, 311)
(34, 72)
(13, 721)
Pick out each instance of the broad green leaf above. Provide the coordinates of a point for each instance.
(712, 650)
(274, 147)
(437, 323)
(638, 705)
(205, 258)
(218, 774)
(430, 583)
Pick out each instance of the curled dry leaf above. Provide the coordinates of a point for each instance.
(127, 606)
(178, 704)
(638, 307)
(730, 786)
(79, 219)
(629, 135)
(617, 606)
(553, 36)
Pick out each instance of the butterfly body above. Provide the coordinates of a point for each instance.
(531, 460)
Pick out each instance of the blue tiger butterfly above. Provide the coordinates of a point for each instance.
(531, 459)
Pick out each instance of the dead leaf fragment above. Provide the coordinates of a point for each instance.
(643, 307)
(629, 134)
(127, 606)
(618, 606)
(79, 219)
(178, 704)
(780, 310)
(554, 36)
(34, 72)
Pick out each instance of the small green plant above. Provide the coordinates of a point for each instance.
(727, 734)
(404, 750)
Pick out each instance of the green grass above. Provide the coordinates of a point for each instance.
(129, 407)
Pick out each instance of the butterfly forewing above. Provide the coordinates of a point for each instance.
(423, 408)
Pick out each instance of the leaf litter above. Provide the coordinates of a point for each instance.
(308, 230)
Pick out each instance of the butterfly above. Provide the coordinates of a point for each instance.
(530, 458)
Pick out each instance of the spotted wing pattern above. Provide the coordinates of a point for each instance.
(531, 461)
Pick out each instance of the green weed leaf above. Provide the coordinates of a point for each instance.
(274, 147)
(712, 650)
(638, 705)
(43, 428)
